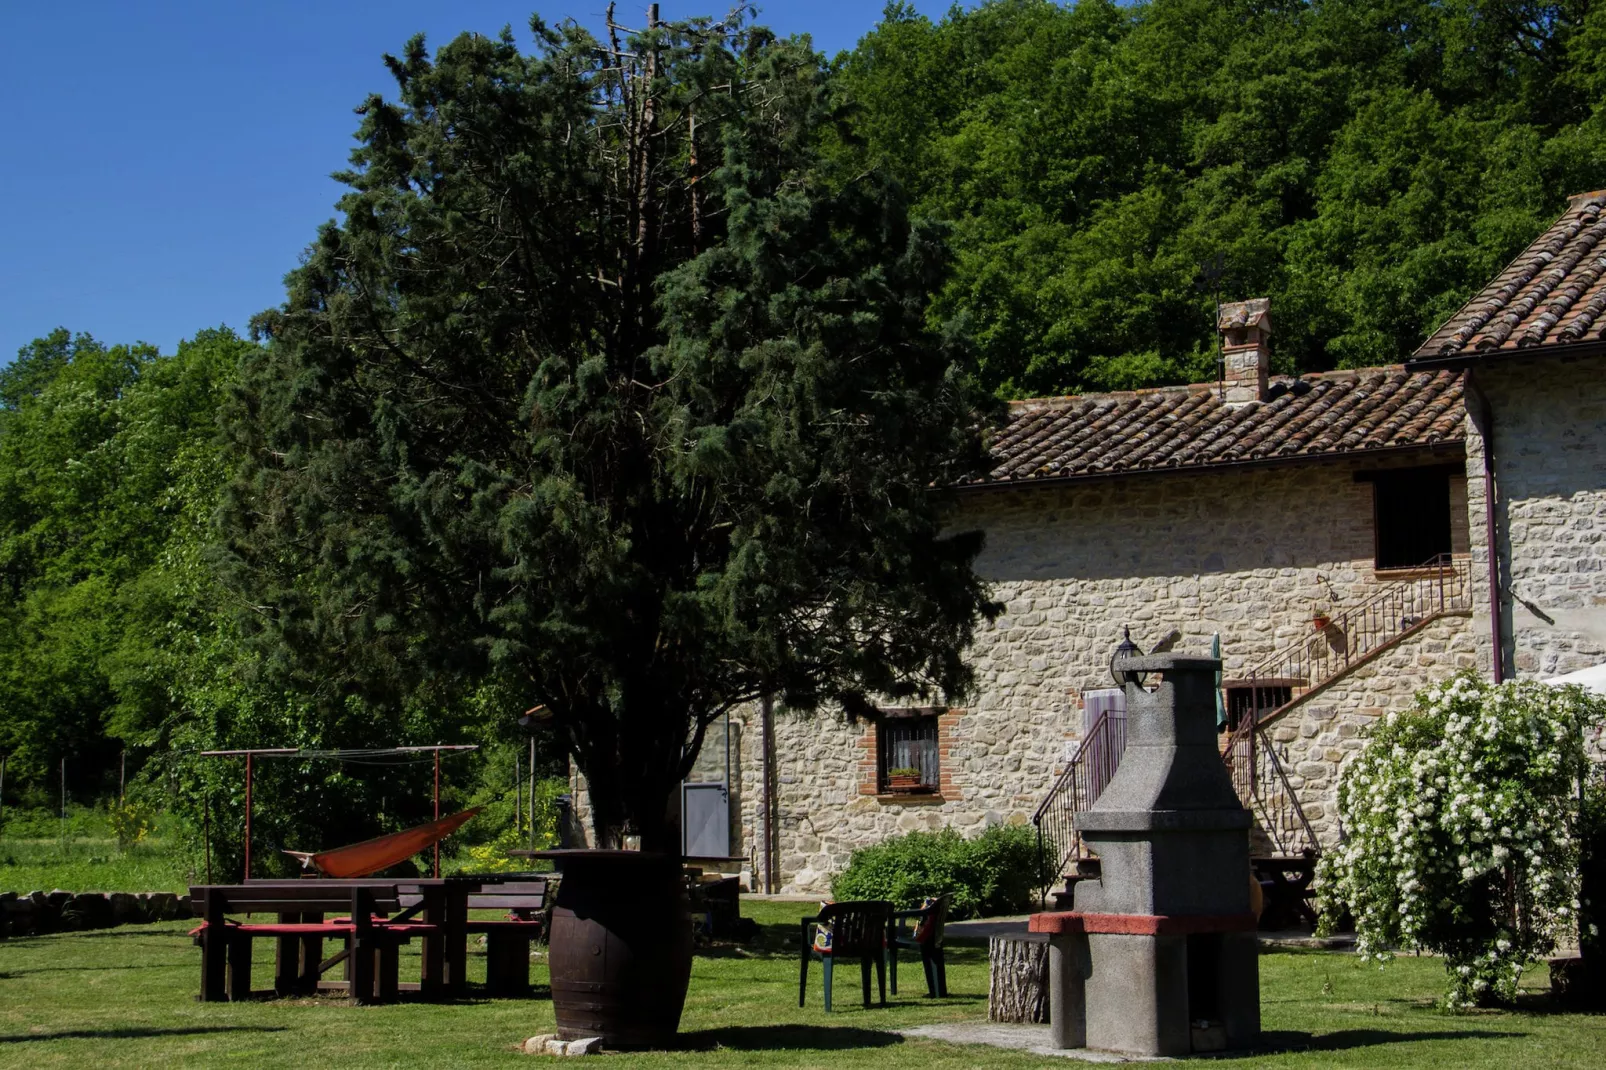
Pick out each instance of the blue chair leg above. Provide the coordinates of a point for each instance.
(825, 961)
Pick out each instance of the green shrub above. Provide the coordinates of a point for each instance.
(987, 876)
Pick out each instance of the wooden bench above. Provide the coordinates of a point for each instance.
(507, 939)
(372, 936)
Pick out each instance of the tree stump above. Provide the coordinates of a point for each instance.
(1017, 986)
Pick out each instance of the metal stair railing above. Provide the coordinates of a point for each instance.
(1077, 789)
(1263, 789)
(1352, 634)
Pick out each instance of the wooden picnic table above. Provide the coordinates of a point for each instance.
(380, 915)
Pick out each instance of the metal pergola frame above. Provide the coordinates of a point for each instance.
(250, 754)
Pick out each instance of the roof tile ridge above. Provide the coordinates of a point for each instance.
(1588, 240)
(1536, 286)
(1361, 415)
(1330, 423)
(1483, 305)
(1447, 397)
(1065, 401)
(1216, 423)
(1282, 416)
(1413, 397)
(1583, 318)
(1170, 426)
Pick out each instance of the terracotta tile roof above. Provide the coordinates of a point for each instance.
(1553, 294)
(1180, 428)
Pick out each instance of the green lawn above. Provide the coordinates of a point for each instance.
(89, 864)
(125, 997)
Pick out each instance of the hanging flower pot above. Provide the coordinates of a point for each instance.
(1321, 621)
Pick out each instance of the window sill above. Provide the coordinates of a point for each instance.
(910, 798)
(1419, 573)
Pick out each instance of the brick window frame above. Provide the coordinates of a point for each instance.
(870, 766)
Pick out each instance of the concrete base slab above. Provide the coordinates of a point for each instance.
(1029, 1038)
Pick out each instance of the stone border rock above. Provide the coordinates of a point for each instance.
(35, 913)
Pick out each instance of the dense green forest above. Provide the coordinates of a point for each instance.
(1366, 164)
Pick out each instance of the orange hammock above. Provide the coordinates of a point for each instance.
(382, 852)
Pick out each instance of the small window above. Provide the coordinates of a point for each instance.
(906, 750)
(1262, 696)
(1411, 516)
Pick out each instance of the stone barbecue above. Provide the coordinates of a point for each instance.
(1159, 956)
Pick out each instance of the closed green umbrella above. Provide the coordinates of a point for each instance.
(1221, 707)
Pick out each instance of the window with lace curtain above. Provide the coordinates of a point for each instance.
(905, 740)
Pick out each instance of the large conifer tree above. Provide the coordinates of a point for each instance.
(612, 385)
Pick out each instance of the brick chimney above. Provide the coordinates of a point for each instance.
(1245, 328)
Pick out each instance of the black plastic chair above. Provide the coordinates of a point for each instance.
(924, 936)
(858, 930)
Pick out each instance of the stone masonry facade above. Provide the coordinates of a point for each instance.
(1315, 737)
(1549, 460)
(1249, 554)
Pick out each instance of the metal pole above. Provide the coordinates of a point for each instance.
(64, 800)
(122, 768)
(206, 834)
(532, 793)
(767, 742)
(2, 791)
(247, 877)
(518, 795)
(437, 810)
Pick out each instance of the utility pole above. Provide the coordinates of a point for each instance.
(122, 768)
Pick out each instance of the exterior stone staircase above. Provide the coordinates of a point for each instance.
(1282, 842)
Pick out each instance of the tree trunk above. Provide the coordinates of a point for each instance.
(1017, 987)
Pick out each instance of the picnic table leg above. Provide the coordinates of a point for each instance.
(457, 942)
(239, 966)
(214, 953)
(432, 964)
(507, 963)
(287, 957)
(388, 983)
(311, 948)
(360, 962)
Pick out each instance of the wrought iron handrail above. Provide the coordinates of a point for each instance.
(1351, 634)
(1263, 788)
(1076, 789)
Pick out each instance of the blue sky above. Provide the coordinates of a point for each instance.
(169, 160)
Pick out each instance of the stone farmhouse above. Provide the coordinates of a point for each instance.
(1531, 349)
(1332, 533)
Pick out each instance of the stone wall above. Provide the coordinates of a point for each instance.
(1248, 554)
(1549, 454)
(1318, 734)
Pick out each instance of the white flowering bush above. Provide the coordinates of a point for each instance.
(1462, 830)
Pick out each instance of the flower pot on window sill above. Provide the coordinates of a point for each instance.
(903, 784)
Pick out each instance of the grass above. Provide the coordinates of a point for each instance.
(89, 864)
(125, 997)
